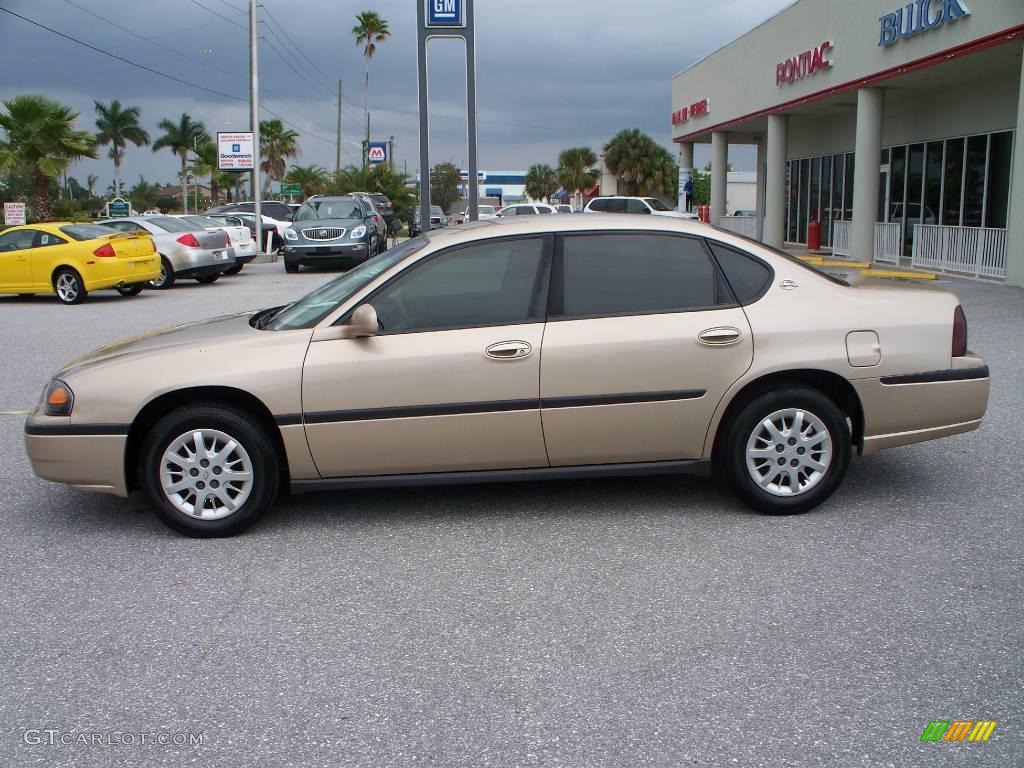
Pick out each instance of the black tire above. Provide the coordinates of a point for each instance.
(69, 286)
(246, 433)
(208, 279)
(234, 270)
(132, 289)
(166, 278)
(733, 451)
(290, 268)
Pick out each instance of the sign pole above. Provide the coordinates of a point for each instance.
(469, 34)
(254, 116)
(421, 68)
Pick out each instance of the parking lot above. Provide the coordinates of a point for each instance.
(615, 622)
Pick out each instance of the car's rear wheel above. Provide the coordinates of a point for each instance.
(234, 270)
(68, 286)
(209, 471)
(130, 289)
(208, 279)
(166, 277)
(786, 451)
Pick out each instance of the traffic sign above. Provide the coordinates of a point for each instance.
(235, 151)
(14, 214)
(446, 13)
(378, 152)
(291, 189)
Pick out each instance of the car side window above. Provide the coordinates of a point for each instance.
(18, 240)
(616, 205)
(748, 276)
(45, 238)
(599, 205)
(632, 274)
(636, 206)
(492, 283)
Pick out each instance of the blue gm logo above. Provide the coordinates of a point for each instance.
(445, 13)
(236, 148)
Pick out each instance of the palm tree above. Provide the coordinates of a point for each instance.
(311, 178)
(117, 127)
(541, 181)
(180, 137)
(639, 161)
(41, 135)
(90, 182)
(277, 145)
(205, 164)
(370, 29)
(575, 171)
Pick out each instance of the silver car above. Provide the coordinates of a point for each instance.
(185, 250)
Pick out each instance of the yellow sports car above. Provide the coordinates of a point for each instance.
(73, 259)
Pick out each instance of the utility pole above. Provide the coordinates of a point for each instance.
(391, 151)
(254, 117)
(337, 153)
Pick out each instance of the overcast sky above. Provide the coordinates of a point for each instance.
(550, 74)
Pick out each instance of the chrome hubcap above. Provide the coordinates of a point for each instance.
(789, 452)
(67, 287)
(206, 474)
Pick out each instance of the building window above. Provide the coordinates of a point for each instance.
(933, 165)
(953, 183)
(974, 180)
(997, 203)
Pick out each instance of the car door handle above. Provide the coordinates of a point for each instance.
(508, 350)
(718, 337)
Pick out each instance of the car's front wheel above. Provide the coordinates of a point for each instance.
(290, 267)
(234, 270)
(786, 451)
(166, 277)
(209, 471)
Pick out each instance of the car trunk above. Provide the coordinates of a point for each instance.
(131, 246)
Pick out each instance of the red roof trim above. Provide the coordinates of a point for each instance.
(982, 43)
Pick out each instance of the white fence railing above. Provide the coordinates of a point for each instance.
(888, 241)
(979, 251)
(741, 225)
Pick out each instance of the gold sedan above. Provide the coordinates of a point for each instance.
(520, 350)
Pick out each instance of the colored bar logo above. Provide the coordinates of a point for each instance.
(958, 730)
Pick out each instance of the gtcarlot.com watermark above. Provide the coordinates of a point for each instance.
(55, 737)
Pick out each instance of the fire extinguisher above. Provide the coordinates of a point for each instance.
(813, 234)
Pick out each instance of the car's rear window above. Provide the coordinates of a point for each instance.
(202, 221)
(168, 224)
(85, 231)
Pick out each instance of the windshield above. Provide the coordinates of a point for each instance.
(86, 231)
(315, 306)
(656, 204)
(435, 210)
(485, 209)
(330, 209)
(167, 224)
(202, 221)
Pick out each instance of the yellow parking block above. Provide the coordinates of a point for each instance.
(899, 273)
(821, 261)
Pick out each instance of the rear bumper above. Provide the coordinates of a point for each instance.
(246, 253)
(85, 462)
(107, 275)
(192, 262)
(912, 408)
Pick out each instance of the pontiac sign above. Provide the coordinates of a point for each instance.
(804, 64)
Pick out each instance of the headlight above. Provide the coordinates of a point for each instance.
(59, 399)
(290, 234)
(358, 233)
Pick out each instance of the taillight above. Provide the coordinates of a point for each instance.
(105, 251)
(189, 239)
(228, 236)
(959, 332)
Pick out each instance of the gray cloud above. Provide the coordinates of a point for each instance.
(550, 75)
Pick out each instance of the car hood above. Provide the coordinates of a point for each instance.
(200, 334)
(320, 223)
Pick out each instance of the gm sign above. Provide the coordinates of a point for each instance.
(445, 13)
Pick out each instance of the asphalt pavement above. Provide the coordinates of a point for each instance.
(584, 624)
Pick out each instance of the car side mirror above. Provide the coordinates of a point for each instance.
(361, 324)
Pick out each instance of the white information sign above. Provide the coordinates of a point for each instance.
(235, 151)
(14, 214)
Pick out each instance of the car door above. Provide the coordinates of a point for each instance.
(48, 252)
(643, 340)
(451, 381)
(16, 259)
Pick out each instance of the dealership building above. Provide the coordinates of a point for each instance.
(893, 133)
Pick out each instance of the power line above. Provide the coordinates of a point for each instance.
(235, 8)
(295, 47)
(219, 15)
(298, 74)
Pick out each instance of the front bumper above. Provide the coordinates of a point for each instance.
(901, 410)
(315, 254)
(76, 455)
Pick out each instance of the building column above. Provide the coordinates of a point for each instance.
(775, 182)
(685, 173)
(719, 176)
(759, 189)
(868, 151)
(1015, 224)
